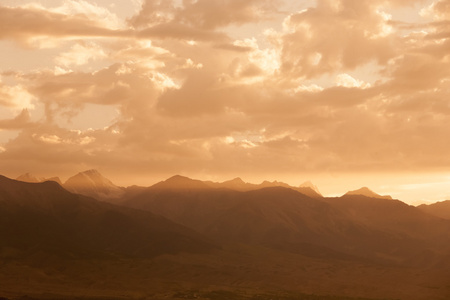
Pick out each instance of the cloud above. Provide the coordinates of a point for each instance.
(178, 31)
(15, 97)
(30, 24)
(211, 14)
(439, 10)
(81, 54)
(91, 11)
(348, 81)
(340, 86)
(203, 14)
(418, 72)
(21, 121)
(201, 20)
(123, 85)
(335, 36)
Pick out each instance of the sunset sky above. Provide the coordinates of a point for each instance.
(345, 93)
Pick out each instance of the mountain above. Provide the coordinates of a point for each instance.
(365, 191)
(275, 217)
(416, 232)
(283, 218)
(306, 190)
(309, 191)
(309, 184)
(237, 184)
(179, 182)
(43, 220)
(55, 179)
(28, 177)
(92, 184)
(439, 209)
(267, 243)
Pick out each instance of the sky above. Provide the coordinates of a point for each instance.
(345, 93)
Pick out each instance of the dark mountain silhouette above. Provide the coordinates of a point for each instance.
(55, 179)
(270, 242)
(92, 184)
(415, 231)
(439, 209)
(283, 218)
(278, 218)
(365, 191)
(45, 219)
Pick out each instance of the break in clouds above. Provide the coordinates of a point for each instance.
(225, 87)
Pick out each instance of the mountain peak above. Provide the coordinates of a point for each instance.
(309, 184)
(179, 178)
(235, 184)
(55, 179)
(236, 180)
(275, 183)
(93, 184)
(180, 182)
(28, 177)
(91, 172)
(365, 191)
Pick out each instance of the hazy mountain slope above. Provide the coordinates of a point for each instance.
(365, 191)
(281, 245)
(227, 214)
(28, 177)
(237, 184)
(45, 219)
(438, 209)
(283, 218)
(309, 184)
(92, 184)
(179, 182)
(390, 215)
(409, 234)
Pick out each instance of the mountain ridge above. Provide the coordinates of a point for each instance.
(439, 209)
(47, 216)
(169, 240)
(365, 191)
(93, 184)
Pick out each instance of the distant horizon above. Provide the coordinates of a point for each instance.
(144, 183)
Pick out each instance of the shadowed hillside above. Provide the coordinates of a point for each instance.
(267, 243)
(377, 229)
(44, 219)
(438, 209)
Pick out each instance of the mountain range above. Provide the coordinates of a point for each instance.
(184, 238)
(47, 219)
(439, 209)
(93, 184)
(280, 217)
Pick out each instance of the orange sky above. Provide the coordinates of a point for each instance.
(342, 92)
